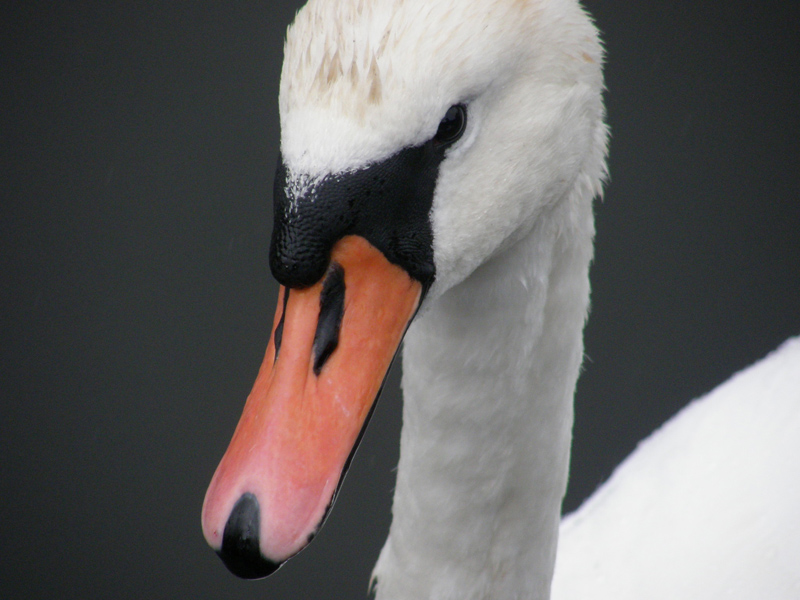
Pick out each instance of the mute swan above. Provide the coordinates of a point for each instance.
(438, 164)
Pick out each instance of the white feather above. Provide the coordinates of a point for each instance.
(707, 507)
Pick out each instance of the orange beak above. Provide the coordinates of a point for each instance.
(329, 352)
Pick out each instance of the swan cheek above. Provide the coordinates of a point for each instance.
(331, 348)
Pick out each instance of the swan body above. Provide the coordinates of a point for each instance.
(452, 150)
(706, 507)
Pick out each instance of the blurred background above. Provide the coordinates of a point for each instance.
(138, 147)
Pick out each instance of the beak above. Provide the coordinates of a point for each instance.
(329, 352)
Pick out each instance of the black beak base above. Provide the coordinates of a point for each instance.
(388, 203)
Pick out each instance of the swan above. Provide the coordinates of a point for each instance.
(438, 166)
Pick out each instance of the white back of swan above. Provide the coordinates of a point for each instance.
(707, 507)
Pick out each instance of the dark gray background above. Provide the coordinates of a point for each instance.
(138, 145)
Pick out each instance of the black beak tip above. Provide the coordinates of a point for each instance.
(240, 550)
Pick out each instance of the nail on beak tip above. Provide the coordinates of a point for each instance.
(240, 549)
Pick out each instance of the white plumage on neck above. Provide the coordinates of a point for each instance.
(488, 377)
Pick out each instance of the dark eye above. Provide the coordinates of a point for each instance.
(452, 126)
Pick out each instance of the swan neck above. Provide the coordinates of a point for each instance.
(488, 377)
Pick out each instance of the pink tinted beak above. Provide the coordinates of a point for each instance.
(330, 349)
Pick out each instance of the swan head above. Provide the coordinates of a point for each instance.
(418, 140)
(364, 80)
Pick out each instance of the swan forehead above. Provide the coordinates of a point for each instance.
(364, 78)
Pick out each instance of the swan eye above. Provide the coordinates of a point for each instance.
(452, 126)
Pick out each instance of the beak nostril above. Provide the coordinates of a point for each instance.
(331, 311)
(279, 327)
(240, 550)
